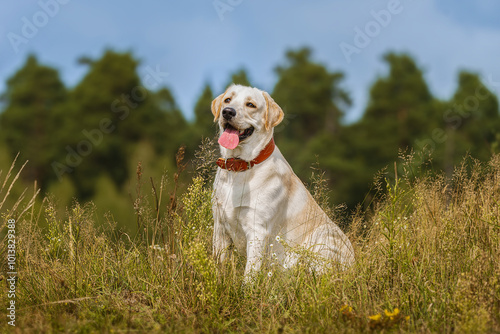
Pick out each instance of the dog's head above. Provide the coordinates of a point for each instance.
(246, 118)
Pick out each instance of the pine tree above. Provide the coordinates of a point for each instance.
(314, 103)
(400, 110)
(311, 96)
(472, 121)
(401, 113)
(171, 128)
(105, 108)
(30, 121)
(240, 77)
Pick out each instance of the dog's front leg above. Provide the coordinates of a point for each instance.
(221, 242)
(255, 254)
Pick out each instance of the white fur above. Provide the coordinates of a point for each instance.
(253, 207)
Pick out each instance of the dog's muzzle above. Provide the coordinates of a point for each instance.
(228, 113)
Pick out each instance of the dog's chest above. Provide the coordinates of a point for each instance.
(234, 191)
(238, 200)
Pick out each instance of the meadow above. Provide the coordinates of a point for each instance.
(427, 261)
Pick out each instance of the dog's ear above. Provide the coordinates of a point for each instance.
(274, 115)
(216, 104)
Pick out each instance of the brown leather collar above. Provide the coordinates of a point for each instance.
(240, 165)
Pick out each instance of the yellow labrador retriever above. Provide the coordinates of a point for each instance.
(258, 201)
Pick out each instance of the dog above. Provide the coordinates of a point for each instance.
(259, 205)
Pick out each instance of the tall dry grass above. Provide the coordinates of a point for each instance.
(427, 260)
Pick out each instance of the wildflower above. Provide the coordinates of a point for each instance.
(269, 274)
(392, 314)
(285, 266)
(271, 245)
(347, 312)
(375, 317)
(278, 238)
(346, 309)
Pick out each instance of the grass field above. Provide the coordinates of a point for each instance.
(427, 261)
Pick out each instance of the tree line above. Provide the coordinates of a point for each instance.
(81, 133)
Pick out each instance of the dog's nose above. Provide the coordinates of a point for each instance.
(228, 113)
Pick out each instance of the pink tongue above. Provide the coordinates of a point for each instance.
(229, 139)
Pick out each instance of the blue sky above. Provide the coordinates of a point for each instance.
(195, 43)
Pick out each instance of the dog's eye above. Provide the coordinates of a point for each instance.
(251, 105)
(227, 100)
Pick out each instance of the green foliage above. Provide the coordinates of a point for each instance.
(310, 96)
(163, 124)
(29, 123)
(198, 212)
(400, 110)
(197, 229)
(204, 126)
(104, 93)
(239, 77)
(402, 116)
(4, 156)
(114, 203)
(472, 120)
(56, 235)
(313, 101)
(204, 265)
